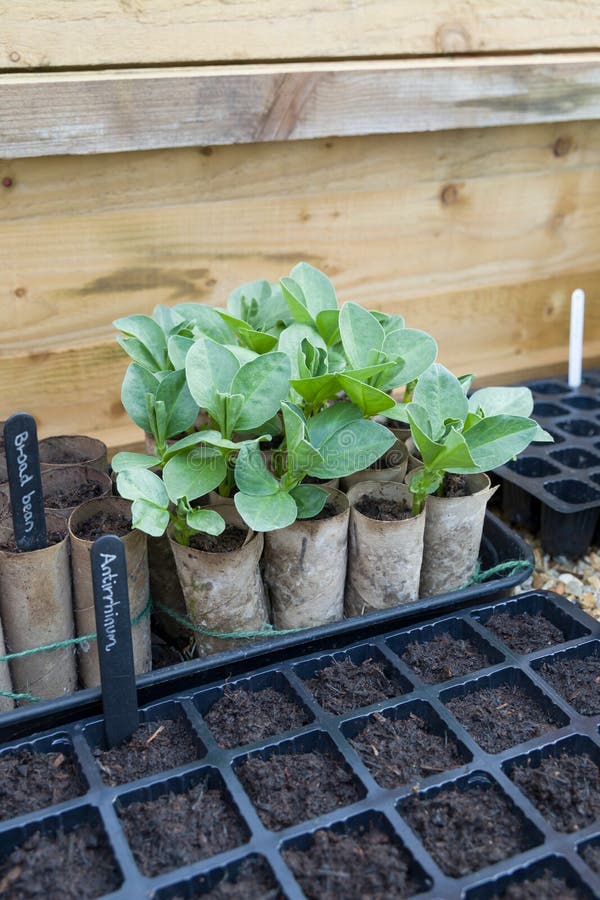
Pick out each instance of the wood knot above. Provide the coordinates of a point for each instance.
(452, 38)
(449, 194)
(562, 146)
(20, 292)
(7, 182)
(14, 56)
(206, 151)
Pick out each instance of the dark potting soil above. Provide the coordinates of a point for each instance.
(154, 747)
(443, 657)
(366, 864)
(566, 790)
(178, 829)
(289, 788)
(382, 509)
(525, 632)
(232, 538)
(54, 537)
(103, 523)
(242, 717)
(501, 717)
(455, 486)
(328, 511)
(252, 881)
(31, 780)
(577, 680)
(591, 855)
(465, 830)
(546, 886)
(404, 751)
(71, 865)
(343, 686)
(63, 456)
(75, 497)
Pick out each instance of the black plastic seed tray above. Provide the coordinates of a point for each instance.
(350, 792)
(555, 488)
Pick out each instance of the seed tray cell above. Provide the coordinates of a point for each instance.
(283, 855)
(554, 488)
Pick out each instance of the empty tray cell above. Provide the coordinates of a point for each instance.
(562, 781)
(66, 855)
(595, 477)
(551, 878)
(39, 774)
(405, 744)
(590, 852)
(570, 491)
(361, 857)
(532, 467)
(575, 458)
(502, 710)
(547, 410)
(298, 779)
(469, 824)
(249, 878)
(179, 821)
(575, 675)
(164, 740)
(531, 623)
(342, 682)
(579, 427)
(520, 506)
(582, 402)
(251, 709)
(445, 650)
(548, 387)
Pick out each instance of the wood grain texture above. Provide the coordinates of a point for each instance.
(64, 33)
(477, 236)
(98, 112)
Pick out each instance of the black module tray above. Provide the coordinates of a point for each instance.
(499, 545)
(555, 488)
(409, 814)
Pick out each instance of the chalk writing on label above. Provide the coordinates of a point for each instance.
(24, 478)
(110, 613)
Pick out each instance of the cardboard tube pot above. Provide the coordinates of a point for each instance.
(36, 609)
(304, 567)
(62, 484)
(415, 461)
(6, 703)
(384, 557)
(73, 450)
(391, 467)
(453, 529)
(223, 591)
(111, 508)
(165, 588)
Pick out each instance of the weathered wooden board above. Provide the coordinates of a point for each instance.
(97, 112)
(477, 236)
(67, 33)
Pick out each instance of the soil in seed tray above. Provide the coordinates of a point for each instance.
(177, 829)
(525, 632)
(546, 887)
(404, 751)
(252, 881)
(74, 865)
(577, 680)
(54, 537)
(343, 686)
(154, 747)
(443, 657)
(591, 855)
(566, 790)
(242, 717)
(232, 538)
(31, 780)
(289, 788)
(103, 523)
(66, 499)
(501, 717)
(382, 509)
(465, 830)
(358, 866)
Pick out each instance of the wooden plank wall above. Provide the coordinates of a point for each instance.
(477, 234)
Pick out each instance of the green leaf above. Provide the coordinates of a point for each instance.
(508, 401)
(361, 333)
(194, 473)
(253, 290)
(149, 518)
(242, 354)
(466, 382)
(251, 474)
(138, 353)
(147, 332)
(398, 412)
(328, 325)
(371, 401)
(452, 455)
(309, 500)
(495, 440)
(227, 411)
(388, 322)
(296, 301)
(322, 426)
(417, 349)
(316, 287)
(441, 394)
(209, 368)
(351, 448)
(178, 347)
(263, 383)
(125, 460)
(294, 425)
(257, 341)
(303, 459)
(141, 484)
(205, 520)
(290, 343)
(317, 390)
(167, 318)
(268, 512)
(206, 321)
(180, 406)
(137, 383)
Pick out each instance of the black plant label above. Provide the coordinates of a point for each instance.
(25, 482)
(115, 649)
